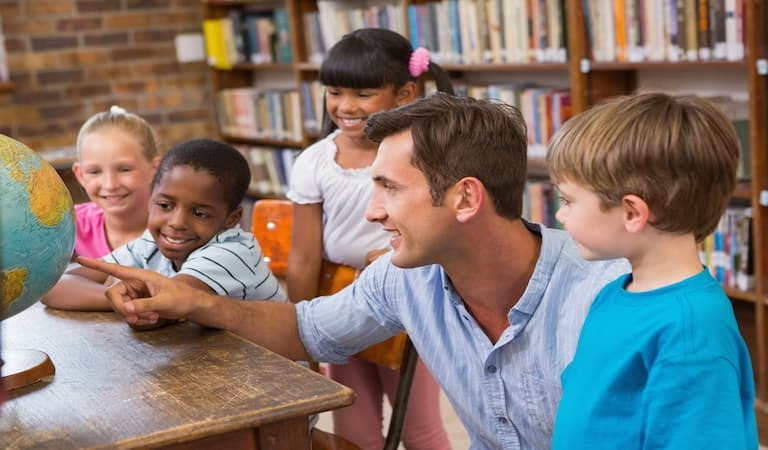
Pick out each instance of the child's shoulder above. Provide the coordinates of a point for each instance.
(88, 209)
(324, 146)
(233, 240)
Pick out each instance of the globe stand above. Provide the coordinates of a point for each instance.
(23, 367)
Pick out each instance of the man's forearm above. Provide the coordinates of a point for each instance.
(270, 324)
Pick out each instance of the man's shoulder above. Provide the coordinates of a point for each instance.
(564, 255)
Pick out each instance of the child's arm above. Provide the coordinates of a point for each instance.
(191, 281)
(306, 255)
(79, 289)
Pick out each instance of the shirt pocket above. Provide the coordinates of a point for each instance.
(541, 400)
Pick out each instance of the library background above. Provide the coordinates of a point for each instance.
(256, 85)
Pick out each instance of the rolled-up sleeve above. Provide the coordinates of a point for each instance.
(335, 327)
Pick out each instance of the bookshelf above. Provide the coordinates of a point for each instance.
(591, 77)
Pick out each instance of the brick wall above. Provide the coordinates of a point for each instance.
(72, 58)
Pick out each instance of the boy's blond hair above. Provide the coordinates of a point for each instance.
(678, 153)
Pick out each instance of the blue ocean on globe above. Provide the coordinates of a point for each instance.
(37, 226)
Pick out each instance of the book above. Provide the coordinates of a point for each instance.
(283, 51)
(215, 46)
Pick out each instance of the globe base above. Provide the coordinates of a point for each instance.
(23, 367)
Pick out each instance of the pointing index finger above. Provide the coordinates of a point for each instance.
(116, 270)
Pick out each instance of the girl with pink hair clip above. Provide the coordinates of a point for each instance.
(367, 71)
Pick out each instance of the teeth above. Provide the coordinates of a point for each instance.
(351, 121)
(175, 241)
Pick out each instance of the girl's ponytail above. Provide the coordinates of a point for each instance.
(420, 63)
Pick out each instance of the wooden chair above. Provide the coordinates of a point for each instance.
(271, 224)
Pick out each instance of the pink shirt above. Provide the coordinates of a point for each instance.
(91, 238)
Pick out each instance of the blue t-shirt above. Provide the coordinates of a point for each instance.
(662, 369)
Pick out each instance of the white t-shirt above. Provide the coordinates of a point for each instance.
(344, 193)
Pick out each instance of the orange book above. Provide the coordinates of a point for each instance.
(621, 31)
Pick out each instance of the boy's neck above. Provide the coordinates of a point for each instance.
(664, 260)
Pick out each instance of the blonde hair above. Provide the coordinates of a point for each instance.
(678, 153)
(119, 118)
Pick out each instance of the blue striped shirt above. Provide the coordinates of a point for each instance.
(506, 393)
(231, 264)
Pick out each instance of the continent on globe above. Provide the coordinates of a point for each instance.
(11, 285)
(37, 226)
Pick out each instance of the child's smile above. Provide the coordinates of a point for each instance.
(186, 210)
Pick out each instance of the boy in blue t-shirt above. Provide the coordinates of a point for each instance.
(660, 361)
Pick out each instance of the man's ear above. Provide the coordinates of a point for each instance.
(234, 217)
(635, 213)
(407, 93)
(468, 197)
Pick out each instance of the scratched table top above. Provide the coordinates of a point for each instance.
(119, 388)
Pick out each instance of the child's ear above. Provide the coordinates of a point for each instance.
(636, 213)
(234, 217)
(78, 171)
(407, 93)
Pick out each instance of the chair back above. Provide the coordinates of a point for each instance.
(271, 221)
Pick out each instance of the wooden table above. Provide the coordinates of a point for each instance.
(182, 386)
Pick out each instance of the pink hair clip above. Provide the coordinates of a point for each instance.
(419, 62)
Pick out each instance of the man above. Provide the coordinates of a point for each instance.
(492, 303)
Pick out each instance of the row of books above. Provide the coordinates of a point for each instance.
(312, 94)
(270, 169)
(738, 111)
(544, 108)
(669, 30)
(728, 252)
(260, 114)
(540, 203)
(490, 31)
(244, 36)
(334, 19)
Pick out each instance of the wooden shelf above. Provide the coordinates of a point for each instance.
(265, 66)
(746, 296)
(7, 86)
(271, 142)
(668, 66)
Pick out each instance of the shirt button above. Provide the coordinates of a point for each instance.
(491, 369)
(502, 420)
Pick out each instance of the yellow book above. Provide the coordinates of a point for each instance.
(215, 45)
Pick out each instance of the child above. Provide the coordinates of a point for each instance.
(116, 159)
(367, 71)
(660, 361)
(192, 232)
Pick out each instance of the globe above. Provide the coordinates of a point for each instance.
(37, 226)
